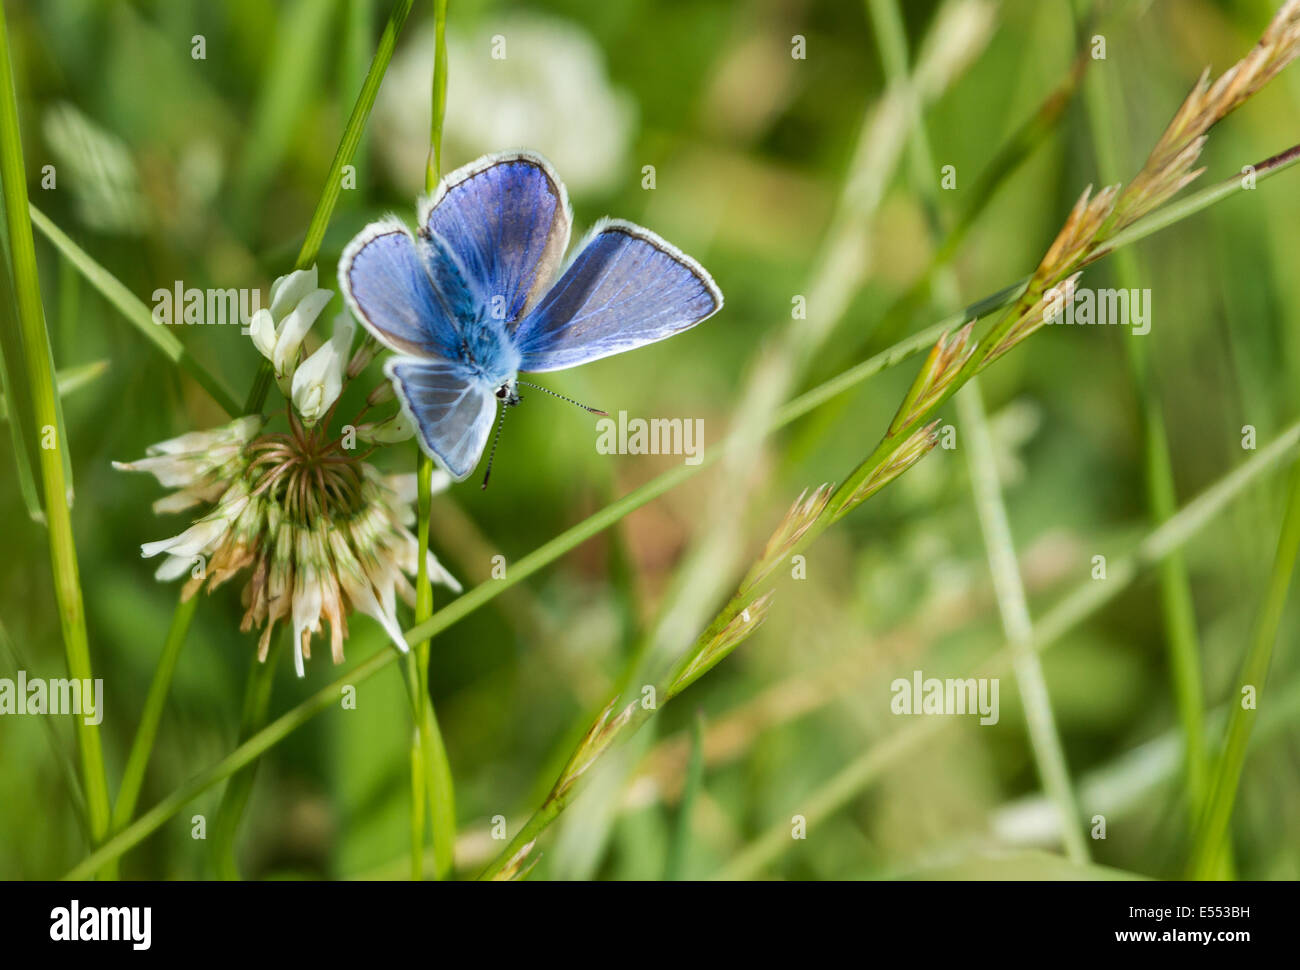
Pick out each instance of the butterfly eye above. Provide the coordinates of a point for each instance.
(502, 391)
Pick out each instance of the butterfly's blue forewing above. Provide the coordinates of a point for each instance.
(625, 288)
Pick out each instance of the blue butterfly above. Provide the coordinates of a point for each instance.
(477, 296)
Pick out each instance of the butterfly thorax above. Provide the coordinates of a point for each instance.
(482, 343)
(487, 351)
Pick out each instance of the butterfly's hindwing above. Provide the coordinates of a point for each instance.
(452, 409)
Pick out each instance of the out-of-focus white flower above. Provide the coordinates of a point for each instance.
(97, 165)
(319, 379)
(278, 332)
(546, 87)
(1011, 429)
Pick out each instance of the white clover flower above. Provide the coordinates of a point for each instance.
(318, 381)
(550, 91)
(278, 332)
(320, 531)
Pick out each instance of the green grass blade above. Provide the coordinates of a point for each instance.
(286, 91)
(1211, 843)
(257, 700)
(47, 415)
(14, 662)
(679, 849)
(68, 380)
(418, 802)
(147, 730)
(358, 22)
(352, 134)
(16, 399)
(438, 107)
(1049, 754)
(1125, 785)
(72, 379)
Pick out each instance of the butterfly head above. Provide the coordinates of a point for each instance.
(508, 394)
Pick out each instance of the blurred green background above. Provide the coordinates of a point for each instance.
(207, 171)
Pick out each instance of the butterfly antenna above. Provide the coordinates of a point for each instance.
(493, 453)
(547, 390)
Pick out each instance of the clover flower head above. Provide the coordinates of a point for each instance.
(317, 530)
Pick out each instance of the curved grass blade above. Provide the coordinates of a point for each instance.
(1211, 843)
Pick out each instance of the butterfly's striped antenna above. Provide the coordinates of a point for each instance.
(495, 438)
(562, 397)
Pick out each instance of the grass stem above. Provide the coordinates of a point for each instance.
(1211, 844)
(257, 700)
(1105, 111)
(147, 731)
(1049, 753)
(51, 432)
(431, 778)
